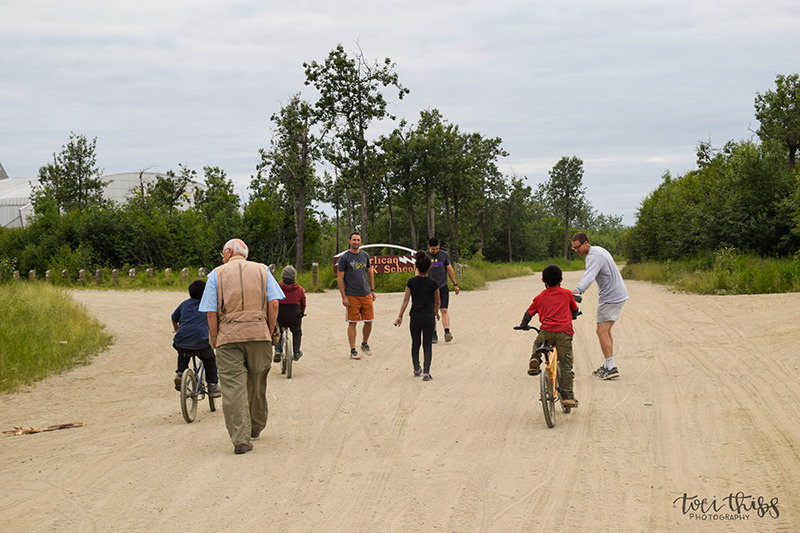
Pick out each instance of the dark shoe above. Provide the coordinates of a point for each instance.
(417, 372)
(239, 449)
(599, 371)
(448, 336)
(365, 348)
(213, 390)
(610, 374)
(277, 357)
(426, 377)
(533, 366)
(435, 338)
(354, 354)
(568, 400)
(298, 355)
(178, 382)
(255, 434)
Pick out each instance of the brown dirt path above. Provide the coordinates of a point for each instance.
(707, 405)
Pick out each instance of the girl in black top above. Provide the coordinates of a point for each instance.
(424, 294)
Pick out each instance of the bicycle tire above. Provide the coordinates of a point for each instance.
(288, 354)
(283, 352)
(548, 404)
(188, 395)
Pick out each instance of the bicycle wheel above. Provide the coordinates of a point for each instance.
(548, 398)
(283, 352)
(288, 353)
(188, 395)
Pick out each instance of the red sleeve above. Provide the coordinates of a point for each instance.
(303, 300)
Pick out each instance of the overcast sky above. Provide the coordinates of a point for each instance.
(630, 87)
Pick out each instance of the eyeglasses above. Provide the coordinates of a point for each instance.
(576, 247)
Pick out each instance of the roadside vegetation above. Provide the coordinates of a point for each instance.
(44, 332)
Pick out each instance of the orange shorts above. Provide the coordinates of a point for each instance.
(360, 309)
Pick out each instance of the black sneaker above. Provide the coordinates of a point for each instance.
(298, 355)
(177, 381)
(448, 336)
(277, 357)
(435, 338)
(354, 354)
(533, 366)
(568, 400)
(599, 372)
(610, 374)
(213, 390)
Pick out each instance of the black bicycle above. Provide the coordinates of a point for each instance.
(194, 388)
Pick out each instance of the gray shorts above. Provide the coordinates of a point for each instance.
(609, 312)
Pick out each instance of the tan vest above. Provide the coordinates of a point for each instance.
(241, 301)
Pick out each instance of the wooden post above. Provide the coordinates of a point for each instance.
(65, 275)
(47, 275)
(185, 274)
(149, 273)
(272, 268)
(115, 276)
(201, 272)
(98, 276)
(167, 273)
(16, 275)
(315, 274)
(31, 275)
(82, 276)
(132, 274)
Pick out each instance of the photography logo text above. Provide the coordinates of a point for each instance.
(734, 506)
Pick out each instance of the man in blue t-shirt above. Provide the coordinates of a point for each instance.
(441, 269)
(191, 337)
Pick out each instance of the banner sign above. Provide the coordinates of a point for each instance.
(384, 264)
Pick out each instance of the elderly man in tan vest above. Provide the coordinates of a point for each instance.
(241, 303)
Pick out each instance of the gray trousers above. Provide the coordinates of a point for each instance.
(243, 368)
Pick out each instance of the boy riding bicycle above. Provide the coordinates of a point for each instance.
(557, 309)
(191, 337)
(291, 311)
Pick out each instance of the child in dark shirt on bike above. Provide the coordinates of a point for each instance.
(291, 311)
(191, 337)
(557, 309)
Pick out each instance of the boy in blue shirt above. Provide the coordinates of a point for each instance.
(191, 337)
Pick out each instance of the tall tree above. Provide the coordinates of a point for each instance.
(565, 194)
(72, 180)
(294, 148)
(779, 113)
(350, 100)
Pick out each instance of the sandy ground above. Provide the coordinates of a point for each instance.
(706, 406)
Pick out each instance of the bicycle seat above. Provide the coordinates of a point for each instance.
(544, 348)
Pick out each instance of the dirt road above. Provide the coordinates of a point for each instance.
(707, 406)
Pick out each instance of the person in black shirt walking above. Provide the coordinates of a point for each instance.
(424, 295)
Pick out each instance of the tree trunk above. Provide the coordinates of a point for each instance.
(300, 228)
(412, 227)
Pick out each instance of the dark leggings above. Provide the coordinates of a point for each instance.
(422, 329)
(206, 355)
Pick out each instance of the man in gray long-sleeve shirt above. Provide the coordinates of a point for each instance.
(611, 295)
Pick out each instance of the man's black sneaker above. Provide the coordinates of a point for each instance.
(599, 372)
(448, 336)
(610, 374)
(298, 355)
(177, 381)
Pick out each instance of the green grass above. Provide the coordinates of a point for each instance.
(43, 332)
(723, 272)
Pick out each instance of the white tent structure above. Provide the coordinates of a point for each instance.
(15, 193)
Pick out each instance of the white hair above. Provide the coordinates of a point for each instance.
(236, 246)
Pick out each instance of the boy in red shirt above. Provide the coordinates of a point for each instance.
(291, 311)
(556, 308)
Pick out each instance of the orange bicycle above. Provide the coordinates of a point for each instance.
(549, 393)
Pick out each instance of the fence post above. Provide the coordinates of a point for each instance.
(115, 276)
(65, 275)
(315, 273)
(16, 275)
(98, 276)
(185, 274)
(31, 275)
(201, 272)
(149, 273)
(82, 276)
(132, 274)
(47, 275)
(167, 273)
(272, 268)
